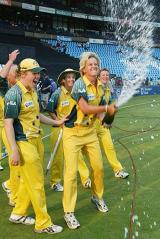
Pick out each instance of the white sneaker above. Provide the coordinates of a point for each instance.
(57, 187)
(53, 229)
(121, 174)
(4, 155)
(88, 183)
(71, 220)
(22, 219)
(1, 168)
(100, 204)
(6, 189)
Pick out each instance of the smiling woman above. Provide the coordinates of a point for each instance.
(29, 72)
(79, 133)
(22, 127)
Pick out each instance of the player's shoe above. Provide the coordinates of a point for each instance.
(71, 220)
(121, 174)
(4, 155)
(100, 204)
(57, 187)
(1, 168)
(5, 188)
(88, 183)
(22, 219)
(53, 229)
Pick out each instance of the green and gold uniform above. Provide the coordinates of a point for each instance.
(61, 103)
(13, 182)
(1, 123)
(3, 90)
(22, 106)
(105, 140)
(79, 134)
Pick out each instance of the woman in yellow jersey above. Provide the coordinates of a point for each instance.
(103, 133)
(22, 127)
(1, 127)
(3, 89)
(60, 105)
(11, 185)
(79, 134)
(8, 74)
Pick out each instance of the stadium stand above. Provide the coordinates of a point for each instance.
(111, 57)
(21, 20)
(53, 61)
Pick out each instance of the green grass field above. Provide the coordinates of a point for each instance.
(136, 133)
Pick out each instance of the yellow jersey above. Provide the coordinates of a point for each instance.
(22, 106)
(94, 95)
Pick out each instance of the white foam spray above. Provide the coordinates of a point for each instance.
(134, 33)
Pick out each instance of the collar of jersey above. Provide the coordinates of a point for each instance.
(23, 88)
(65, 91)
(87, 82)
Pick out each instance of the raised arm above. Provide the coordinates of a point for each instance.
(12, 57)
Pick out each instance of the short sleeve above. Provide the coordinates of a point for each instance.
(53, 101)
(79, 90)
(12, 103)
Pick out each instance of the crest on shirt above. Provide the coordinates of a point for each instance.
(65, 103)
(91, 96)
(28, 104)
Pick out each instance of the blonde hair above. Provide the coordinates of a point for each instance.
(13, 68)
(84, 57)
(12, 75)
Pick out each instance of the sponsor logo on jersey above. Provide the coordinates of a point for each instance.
(82, 91)
(11, 102)
(91, 96)
(28, 104)
(65, 103)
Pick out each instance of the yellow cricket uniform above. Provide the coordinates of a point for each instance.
(79, 133)
(13, 181)
(105, 140)
(107, 94)
(3, 90)
(106, 143)
(14, 174)
(1, 112)
(61, 103)
(1, 124)
(22, 106)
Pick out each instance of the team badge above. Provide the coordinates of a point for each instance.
(28, 104)
(65, 103)
(91, 96)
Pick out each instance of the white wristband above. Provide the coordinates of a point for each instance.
(106, 108)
